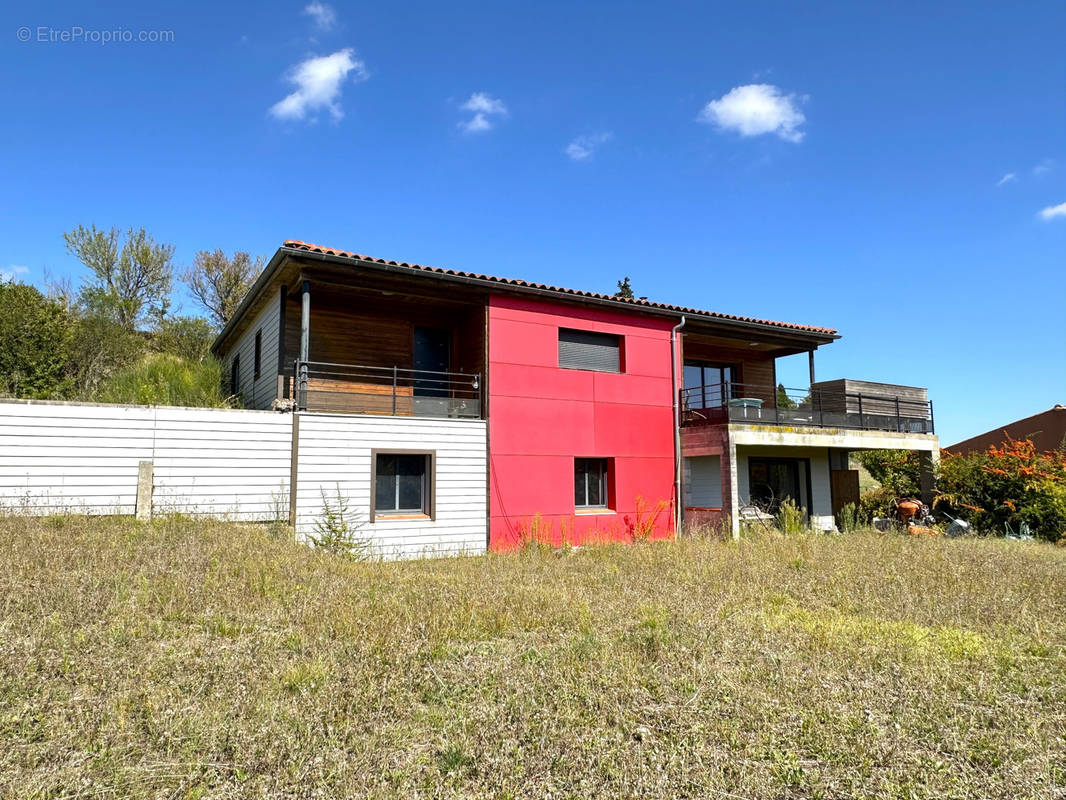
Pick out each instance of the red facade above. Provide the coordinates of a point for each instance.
(542, 417)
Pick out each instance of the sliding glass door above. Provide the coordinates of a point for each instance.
(708, 385)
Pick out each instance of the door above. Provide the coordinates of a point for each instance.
(844, 484)
(432, 351)
(773, 480)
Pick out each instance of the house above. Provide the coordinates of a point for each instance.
(602, 416)
(1047, 430)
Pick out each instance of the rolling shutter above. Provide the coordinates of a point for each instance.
(588, 350)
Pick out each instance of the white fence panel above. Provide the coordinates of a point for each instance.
(222, 462)
(236, 464)
(77, 459)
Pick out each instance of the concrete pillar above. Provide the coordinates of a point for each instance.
(928, 467)
(730, 490)
(145, 473)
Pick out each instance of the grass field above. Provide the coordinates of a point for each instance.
(184, 659)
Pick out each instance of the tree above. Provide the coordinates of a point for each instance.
(101, 347)
(187, 337)
(220, 283)
(625, 289)
(128, 284)
(783, 400)
(35, 344)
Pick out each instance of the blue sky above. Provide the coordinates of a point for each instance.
(840, 164)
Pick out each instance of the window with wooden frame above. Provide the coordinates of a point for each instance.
(257, 359)
(403, 484)
(599, 352)
(591, 484)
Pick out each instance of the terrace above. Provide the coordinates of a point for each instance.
(392, 391)
(847, 404)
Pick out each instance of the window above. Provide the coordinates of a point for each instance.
(709, 385)
(601, 352)
(257, 361)
(235, 375)
(403, 484)
(590, 483)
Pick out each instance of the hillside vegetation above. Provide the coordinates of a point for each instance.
(183, 659)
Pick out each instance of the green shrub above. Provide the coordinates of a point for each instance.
(879, 502)
(166, 380)
(337, 531)
(1012, 485)
(35, 344)
(849, 520)
(898, 470)
(790, 518)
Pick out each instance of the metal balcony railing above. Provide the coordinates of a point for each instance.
(392, 391)
(770, 405)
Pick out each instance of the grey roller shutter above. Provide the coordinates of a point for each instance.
(588, 350)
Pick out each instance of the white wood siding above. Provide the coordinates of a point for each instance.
(335, 453)
(222, 462)
(259, 393)
(235, 464)
(67, 458)
(82, 458)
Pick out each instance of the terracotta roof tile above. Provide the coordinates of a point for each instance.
(296, 244)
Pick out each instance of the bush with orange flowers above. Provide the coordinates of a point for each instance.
(1010, 485)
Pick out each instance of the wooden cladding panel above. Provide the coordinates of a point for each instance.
(756, 367)
(349, 330)
(758, 377)
(877, 398)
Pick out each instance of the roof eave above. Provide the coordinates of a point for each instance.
(652, 309)
(824, 336)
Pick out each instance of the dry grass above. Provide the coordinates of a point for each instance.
(185, 659)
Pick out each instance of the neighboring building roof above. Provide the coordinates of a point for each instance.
(1047, 430)
(296, 244)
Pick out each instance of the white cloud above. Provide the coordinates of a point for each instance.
(321, 14)
(1053, 211)
(756, 109)
(10, 272)
(318, 83)
(1044, 167)
(584, 146)
(484, 108)
(1010, 176)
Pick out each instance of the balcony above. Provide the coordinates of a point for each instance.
(855, 405)
(390, 391)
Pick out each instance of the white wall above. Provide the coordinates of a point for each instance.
(83, 459)
(222, 462)
(335, 453)
(65, 457)
(703, 481)
(236, 464)
(258, 393)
